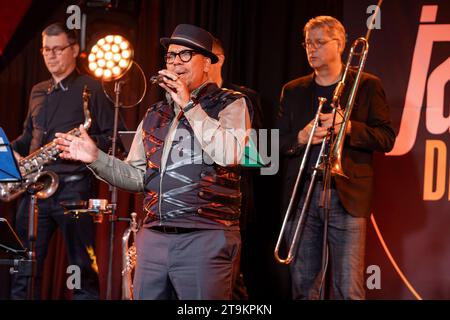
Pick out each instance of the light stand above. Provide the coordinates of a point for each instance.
(117, 91)
(111, 59)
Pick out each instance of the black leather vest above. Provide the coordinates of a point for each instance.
(191, 182)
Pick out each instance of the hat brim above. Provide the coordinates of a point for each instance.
(184, 42)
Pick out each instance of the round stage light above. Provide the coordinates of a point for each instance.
(101, 63)
(110, 57)
(115, 48)
(123, 63)
(126, 54)
(123, 45)
(98, 72)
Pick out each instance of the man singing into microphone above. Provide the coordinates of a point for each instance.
(184, 158)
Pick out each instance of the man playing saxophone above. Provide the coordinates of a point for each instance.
(368, 130)
(56, 105)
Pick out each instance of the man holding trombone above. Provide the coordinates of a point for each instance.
(333, 224)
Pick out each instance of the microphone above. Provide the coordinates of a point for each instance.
(156, 79)
(337, 94)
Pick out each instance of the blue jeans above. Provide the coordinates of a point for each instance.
(346, 243)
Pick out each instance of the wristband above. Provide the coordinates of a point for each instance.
(191, 104)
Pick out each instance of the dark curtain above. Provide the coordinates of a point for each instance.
(262, 45)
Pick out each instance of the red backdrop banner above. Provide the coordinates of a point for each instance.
(411, 54)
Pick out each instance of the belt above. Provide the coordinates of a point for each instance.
(173, 230)
(72, 177)
(319, 179)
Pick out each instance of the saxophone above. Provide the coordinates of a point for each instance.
(31, 166)
(129, 256)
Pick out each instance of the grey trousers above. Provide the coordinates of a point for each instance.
(199, 265)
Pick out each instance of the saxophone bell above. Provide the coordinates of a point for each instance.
(46, 183)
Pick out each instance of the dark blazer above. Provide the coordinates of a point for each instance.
(371, 130)
(248, 175)
(257, 114)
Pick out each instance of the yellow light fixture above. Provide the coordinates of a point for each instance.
(110, 57)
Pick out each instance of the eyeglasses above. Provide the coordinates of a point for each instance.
(185, 56)
(316, 44)
(56, 50)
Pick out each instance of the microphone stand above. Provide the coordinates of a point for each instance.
(325, 198)
(325, 195)
(30, 272)
(28, 266)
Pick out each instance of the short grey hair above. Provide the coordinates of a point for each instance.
(55, 29)
(332, 26)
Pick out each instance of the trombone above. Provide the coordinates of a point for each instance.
(328, 164)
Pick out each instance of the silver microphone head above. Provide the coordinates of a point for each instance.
(156, 79)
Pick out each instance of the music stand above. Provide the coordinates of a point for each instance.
(10, 172)
(9, 241)
(13, 250)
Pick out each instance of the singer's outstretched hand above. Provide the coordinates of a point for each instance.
(81, 148)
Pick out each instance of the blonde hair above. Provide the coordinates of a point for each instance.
(331, 25)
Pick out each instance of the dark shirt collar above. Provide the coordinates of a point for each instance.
(64, 84)
(333, 84)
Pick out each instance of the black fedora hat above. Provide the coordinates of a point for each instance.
(192, 37)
